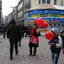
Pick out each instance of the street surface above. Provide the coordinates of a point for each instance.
(43, 55)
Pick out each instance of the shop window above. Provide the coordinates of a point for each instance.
(44, 15)
(62, 2)
(43, 1)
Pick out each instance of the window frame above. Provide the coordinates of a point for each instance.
(44, 2)
(55, 2)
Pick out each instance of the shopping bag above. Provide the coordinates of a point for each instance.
(33, 40)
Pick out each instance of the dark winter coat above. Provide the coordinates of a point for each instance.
(14, 33)
(53, 48)
(34, 33)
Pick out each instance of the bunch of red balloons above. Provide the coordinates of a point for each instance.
(41, 23)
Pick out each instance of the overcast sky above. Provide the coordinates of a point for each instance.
(7, 4)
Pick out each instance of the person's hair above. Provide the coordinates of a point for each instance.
(35, 24)
(12, 21)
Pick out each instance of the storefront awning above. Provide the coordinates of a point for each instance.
(58, 7)
(42, 6)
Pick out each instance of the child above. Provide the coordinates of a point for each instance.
(56, 44)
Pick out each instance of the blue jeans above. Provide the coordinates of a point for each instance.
(55, 58)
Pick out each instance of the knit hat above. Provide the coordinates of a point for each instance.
(55, 30)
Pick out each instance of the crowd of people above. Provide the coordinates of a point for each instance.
(15, 33)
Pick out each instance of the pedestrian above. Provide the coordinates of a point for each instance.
(4, 31)
(25, 30)
(14, 35)
(56, 45)
(20, 26)
(33, 32)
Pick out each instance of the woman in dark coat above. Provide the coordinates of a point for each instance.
(33, 32)
(14, 35)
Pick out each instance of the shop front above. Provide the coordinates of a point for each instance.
(51, 16)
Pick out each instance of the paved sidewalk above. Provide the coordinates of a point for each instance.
(43, 53)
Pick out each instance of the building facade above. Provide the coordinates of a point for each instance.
(15, 13)
(23, 6)
(52, 11)
(19, 12)
(52, 2)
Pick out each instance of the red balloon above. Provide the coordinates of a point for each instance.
(49, 35)
(40, 22)
(45, 25)
(35, 21)
(63, 51)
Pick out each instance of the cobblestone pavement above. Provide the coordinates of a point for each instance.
(43, 55)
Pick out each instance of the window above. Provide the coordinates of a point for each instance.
(48, 1)
(55, 2)
(20, 6)
(43, 1)
(62, 2)
(39, 1)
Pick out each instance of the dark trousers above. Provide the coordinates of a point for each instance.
(19, 43)
(34, 51)
(12, 44)
(4, 33)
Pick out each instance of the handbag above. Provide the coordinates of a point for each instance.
(33, 40)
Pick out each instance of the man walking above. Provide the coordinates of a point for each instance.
(14, 35)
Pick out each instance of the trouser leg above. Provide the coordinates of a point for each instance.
(56, 57)
(11, 50)
(30, 49)
(20, 43)
(35, 49)
(52, 57)
(3, 34)
(16, 47)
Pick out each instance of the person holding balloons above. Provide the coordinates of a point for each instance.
(56, 44)
(34, 32)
